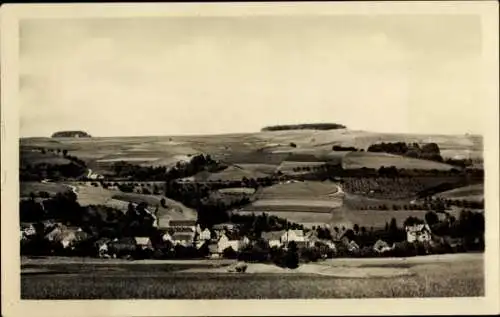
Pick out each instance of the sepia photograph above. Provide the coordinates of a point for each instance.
(251, 154)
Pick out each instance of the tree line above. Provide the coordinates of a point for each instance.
(305, 126)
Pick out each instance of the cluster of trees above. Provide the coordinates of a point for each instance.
(329, 171)
(198, 163)
(71, 134)
(212, 207)
(253, 225)
(75, 169)
(346, 148)
(428, 151)
(41, 171)
(305, 126)
(97, 220)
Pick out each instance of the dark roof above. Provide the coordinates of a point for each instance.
(182, 236)
(272, 235)
(232, 236)
(220, 226)
(181, 223)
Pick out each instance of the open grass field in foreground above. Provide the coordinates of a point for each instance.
(458, 275)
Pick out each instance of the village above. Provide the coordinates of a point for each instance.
(186, 239)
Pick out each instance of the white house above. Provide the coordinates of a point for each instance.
(204, 234)
(144, 243)
(27, 230)
(381, 246)
(352, 246)
(273, 238)
(419, 232)
(294, 235)
(228, 240)
(167, 237)
(182, 238)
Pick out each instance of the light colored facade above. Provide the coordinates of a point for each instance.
(204, 234)
(418, 233)
(225, 242)
(143, 243)
(381, 246)
(294, 235)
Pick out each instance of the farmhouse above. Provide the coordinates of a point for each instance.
(183, 238)
(102, 246)
(419, 232)
(381, 246)
(224, 227)
(27, 230)
(204, 235)
(294, 235)
(191, 224)
(273, 238)
(126, 244)
(352, 246)
(229, 240)
(143, 243)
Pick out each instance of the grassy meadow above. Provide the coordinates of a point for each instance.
(457, 276)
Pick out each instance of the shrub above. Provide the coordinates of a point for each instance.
(229, 253)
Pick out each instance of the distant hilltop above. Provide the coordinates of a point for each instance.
(305, 126)
(71, 134)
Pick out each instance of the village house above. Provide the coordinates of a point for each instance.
(352, 246)
(273, 238)
(122, 246)
(183, 224)
(204, 235)
(296, 236)
(27, 230)
(143, 243)
(418, 233)
(66, 236)
(184, 239)
(224, 227)
(328, 243)
(311, 238)
(229, 240)
(381, 246)
(102, 246)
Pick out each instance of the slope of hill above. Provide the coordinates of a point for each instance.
(376, 160)
(268, 147)
(469, 193)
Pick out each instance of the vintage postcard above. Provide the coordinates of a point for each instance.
(250, 159)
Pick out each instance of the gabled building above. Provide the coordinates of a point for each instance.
(230, 240)
(296, 236)
(273, 238)
(418, 233)
(143, 243)
(381, 246)
(184, 239)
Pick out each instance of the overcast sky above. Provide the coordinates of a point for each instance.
(172, 76)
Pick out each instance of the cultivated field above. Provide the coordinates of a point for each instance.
(356, 160)
(90, 195)
(254, 148)
(470, 193)
(455, 275)
(35, 187)
(300, 202)
(232, 173)
(36, 157)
